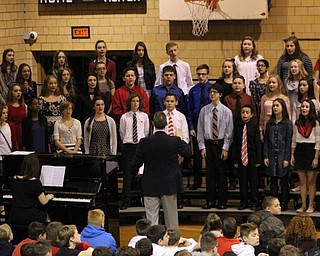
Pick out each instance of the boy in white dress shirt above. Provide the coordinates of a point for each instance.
(183, 71)
(176, 126)
(215, 134)
(130, 137)
(180, 125)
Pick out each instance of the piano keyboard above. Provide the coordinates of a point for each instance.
(61, 199)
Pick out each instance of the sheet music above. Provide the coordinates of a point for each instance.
(52, 175)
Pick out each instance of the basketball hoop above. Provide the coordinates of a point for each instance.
(201, 11)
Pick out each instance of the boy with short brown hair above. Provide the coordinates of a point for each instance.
(250, 237)
(183, 71)
(271, 226)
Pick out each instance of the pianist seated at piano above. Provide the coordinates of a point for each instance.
(27, 194)
(69, 238)
(67, 131)
(100, 135)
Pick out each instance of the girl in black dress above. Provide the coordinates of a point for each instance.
(28, 194)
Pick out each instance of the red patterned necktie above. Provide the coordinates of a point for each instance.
(244, 147)
(170, 125)
(215, 131)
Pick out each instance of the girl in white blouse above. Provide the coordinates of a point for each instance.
(67, 131)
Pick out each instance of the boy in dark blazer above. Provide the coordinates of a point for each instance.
(247, 157)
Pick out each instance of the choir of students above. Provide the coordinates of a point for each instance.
(275, 104)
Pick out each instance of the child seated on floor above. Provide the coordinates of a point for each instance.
(250, 237)
(102, 251)
(159, 238)
(27, 249)
(6, 235)
(142, 227)
(70, 238)
(95, 234)
(177, 243)
(208, 245)
(275, 245)
(36, 232)
(42, 248)
(213, 224)
(229, 230)
(127, 250)
(144, 245)
(271, 226)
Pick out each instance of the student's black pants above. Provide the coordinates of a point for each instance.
(248, 176)
(216, 179)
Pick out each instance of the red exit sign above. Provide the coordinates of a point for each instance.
(80, 32)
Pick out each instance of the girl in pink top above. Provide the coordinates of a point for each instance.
(274, 90)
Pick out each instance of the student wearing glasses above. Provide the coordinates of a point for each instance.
(215, 133)
(198, 98)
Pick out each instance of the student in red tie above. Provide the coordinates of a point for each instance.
(247, 157)
(177, 122)
(177, 126)
(215, 134)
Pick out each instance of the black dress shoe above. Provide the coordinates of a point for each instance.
(180, 206)
(124, 206)
(284, 207)
(253, 207)
(232, 186)
(242, 207)
(208, 205)
(195, 186)
(222, 207)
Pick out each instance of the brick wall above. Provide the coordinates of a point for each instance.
(122, 28)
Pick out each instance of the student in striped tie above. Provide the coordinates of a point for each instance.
(215, 134)
(247, 157)
(134, 125)
(177, 122)
(177, 126)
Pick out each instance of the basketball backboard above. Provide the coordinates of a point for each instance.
(227, 10)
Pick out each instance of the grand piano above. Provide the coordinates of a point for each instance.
(90, 182)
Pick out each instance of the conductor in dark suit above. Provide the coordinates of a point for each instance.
(161, 179)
